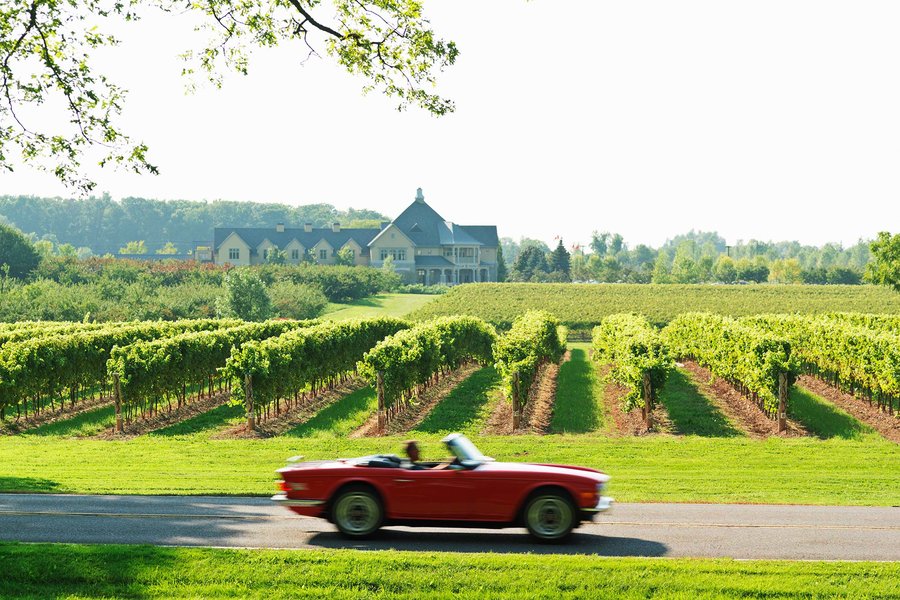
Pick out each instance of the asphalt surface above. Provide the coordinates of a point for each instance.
(678, 530)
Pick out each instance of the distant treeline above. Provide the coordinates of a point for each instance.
(104, 225)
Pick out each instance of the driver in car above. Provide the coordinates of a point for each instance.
(412, 451)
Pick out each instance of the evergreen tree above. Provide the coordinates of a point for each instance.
(560, 260)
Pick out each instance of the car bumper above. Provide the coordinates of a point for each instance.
(302, 506)
(603, 504)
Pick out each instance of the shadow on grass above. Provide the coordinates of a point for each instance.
(341, 417)
(84, 424)
(83, 571)
(21, 485)
(462, 408)
(492, 541)
(576, 410)
(209, 420)
(691, 412)
(822, 418)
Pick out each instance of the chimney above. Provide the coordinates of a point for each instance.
(336, 227)
(279, 228)
(307, 227)
(420, 197)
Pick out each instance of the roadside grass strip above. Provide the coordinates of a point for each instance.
(467, 407)
(823, 418)
(84, 424)
(691, 412)
(339, 418)
(579, 393)
(649, 469)
(82, 571)
(205, 423)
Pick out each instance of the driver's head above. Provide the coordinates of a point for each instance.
(412, 450)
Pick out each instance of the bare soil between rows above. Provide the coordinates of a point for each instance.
(14, 427)
(886, 424)
(295, 415)
(630, 423)
(538, 412)
(410, 417)
(740, 410)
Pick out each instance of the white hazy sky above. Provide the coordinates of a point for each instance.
(767, 119)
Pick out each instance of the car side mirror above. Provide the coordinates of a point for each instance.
(470, 464)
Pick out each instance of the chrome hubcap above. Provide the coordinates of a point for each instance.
(357, 513)
(549, 517)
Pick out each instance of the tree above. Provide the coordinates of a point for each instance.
(600, 243)
(345, 257)
(17, 252)
(786, 270)
(560, 260)
(274, 256)
(724, 270)
(134, 247)
(169, 248)
(245, 296)
(47, 62)
(885, 268)
(501, 265)
(530, 262)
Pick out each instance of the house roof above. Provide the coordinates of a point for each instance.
(433, 261)
(425, 227)
(254, 236)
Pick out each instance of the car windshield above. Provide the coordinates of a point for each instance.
(463, 449)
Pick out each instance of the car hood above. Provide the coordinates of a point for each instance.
(526, 469)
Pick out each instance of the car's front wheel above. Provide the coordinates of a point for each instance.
(357, 511)
(549, 517)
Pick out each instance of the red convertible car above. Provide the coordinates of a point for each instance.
(359, 495)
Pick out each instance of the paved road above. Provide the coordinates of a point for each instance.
(697, 530)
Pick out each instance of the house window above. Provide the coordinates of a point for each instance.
(234, 254)
(295, 254)
(323, 254)
(394, 253)
(448, 252)
(467, 252)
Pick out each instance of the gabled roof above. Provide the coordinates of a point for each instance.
(254, 236)
(425, 227)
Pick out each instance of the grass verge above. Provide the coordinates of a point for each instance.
(84, 424)
(691, 412)
(648, 469)
(81, 571)
(579, 394)
(823, 418)
(340, 418)
(466, 407)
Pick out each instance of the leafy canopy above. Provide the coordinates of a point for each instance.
(46, 62)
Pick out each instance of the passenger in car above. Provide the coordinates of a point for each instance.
(412, 451)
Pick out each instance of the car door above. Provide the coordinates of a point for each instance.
(430, 494)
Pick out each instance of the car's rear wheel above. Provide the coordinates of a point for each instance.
(358, 512)
(549, 516)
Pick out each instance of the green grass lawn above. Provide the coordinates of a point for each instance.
(91, 571)
(206, 423)
(340, 418)
(691, 412)
(579, 394)
(824, 419)
(648, 469)
(467, 407)
(84, 424)
(380, 305)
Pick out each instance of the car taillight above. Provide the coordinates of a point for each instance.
(284, 486)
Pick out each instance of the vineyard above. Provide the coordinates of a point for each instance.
(334, 384)
(583, 306)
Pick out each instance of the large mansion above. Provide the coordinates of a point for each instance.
(422, 245)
